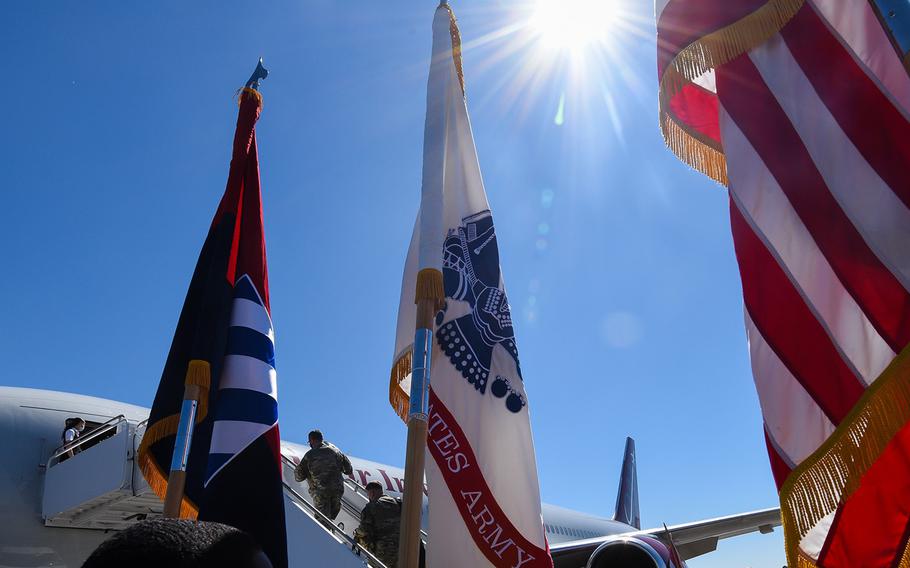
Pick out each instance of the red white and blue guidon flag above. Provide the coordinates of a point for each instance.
(801, 109)
(234, 465)
(481, 469)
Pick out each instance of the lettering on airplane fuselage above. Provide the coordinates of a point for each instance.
(362, 476)
(391, 483)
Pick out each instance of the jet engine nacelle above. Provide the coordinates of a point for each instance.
(632, 552)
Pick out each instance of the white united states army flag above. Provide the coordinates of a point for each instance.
(481, 470)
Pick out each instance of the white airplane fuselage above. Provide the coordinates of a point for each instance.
(31, 422)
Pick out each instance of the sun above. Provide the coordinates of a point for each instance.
(573, 24)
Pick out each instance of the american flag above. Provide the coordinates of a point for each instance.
(801, 109)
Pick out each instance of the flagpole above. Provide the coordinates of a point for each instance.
(195, 395)
(198, 377)
(428, 299)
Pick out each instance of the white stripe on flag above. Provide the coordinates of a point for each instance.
(793, 420)
(768, 210)
(250, 314)
(878, 214)
(243, 372)
(858, 26)
(232, 436)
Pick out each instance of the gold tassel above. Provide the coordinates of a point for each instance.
(199, 373)
(694, 152)
(150, 470)
(834, 471)
(716, 48)
(429, 286)
(251, 92)
(905, 558)
(704, 54)
(456, 46)
(400, 400)
(154, 476)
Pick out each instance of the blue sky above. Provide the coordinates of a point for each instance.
(618, 259)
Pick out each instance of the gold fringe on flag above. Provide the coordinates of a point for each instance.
(456, 46)
(704, 54)
(832, 473)
(693, 150)
(905, 558)
(726, 44)
(198, 373)
(252, 92)
(400, 400)
(429, 287)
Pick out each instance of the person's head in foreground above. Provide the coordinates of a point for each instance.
(374, 490)
(178, 543)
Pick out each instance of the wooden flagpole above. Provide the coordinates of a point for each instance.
(429, 298)
(198, 377)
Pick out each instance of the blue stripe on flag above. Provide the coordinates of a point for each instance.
(245, 405)
(249, 342)
(214, 464)
(244, 288)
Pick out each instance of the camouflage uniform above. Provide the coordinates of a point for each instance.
(379, 529)
(322, 468)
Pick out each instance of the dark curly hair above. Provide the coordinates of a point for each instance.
(177, 543)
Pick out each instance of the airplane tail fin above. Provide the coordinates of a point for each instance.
(627, 496)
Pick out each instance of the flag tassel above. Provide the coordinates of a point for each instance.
(198, 381)
(400, 370)
(830, 475)
(706, 53)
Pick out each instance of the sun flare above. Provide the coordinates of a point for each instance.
(573, 24)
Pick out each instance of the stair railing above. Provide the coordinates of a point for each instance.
(112, 424)
(326, 522)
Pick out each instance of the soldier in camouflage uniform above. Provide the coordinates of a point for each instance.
(379, 525)
(323, 467)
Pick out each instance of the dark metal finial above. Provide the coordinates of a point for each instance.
(259, 74)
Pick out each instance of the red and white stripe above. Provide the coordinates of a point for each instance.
(814, 128)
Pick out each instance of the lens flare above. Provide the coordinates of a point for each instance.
(573, 24)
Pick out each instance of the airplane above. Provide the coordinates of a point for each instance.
(55, 509)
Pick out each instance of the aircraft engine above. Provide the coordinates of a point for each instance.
(631, 552)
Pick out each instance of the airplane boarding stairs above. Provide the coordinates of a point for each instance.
(94, 483)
